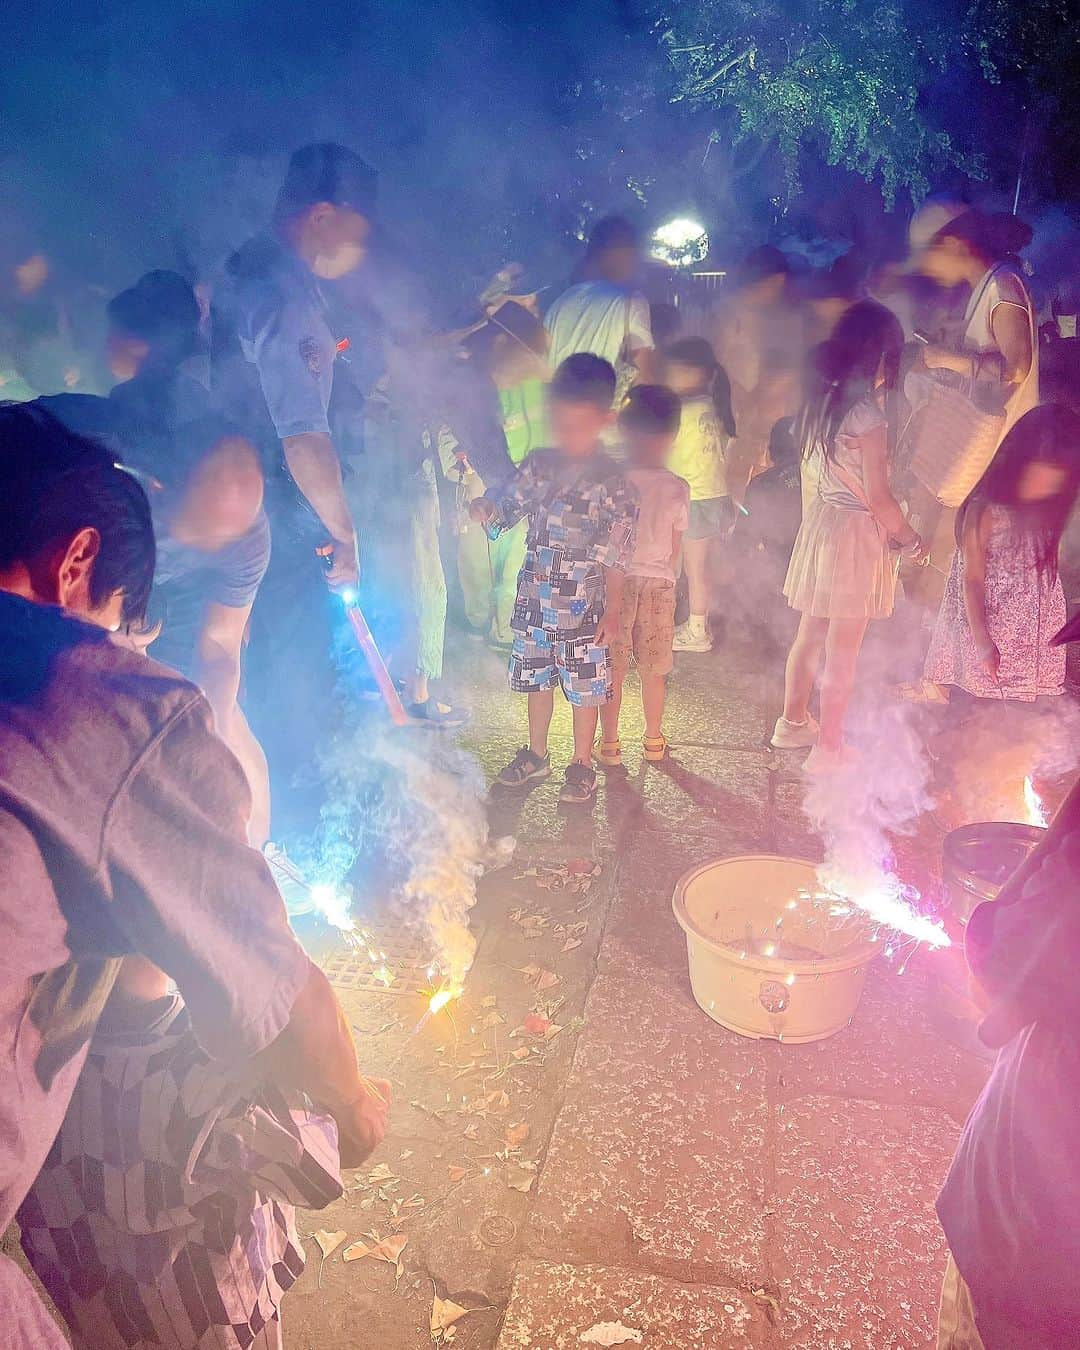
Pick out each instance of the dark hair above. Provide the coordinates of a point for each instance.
(759, 264)
(843, 371)
(652, 408)
(698, 353)
(54, 483)
(1047, 435)
(611, 232)
(326, 172)
(584, 378)
(995, 237)
(782, 447)
(161, 309)
(664, 322)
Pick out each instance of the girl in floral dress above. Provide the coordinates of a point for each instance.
(1003, 600)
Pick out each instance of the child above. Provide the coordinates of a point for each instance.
(581, 533)
(649, 422)
(1004, 600)
(706, 426)
(842, 573)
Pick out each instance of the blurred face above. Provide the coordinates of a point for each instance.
(620, 265)
(686, 381)
(649, 449)
(945, 261)
(577, 427)
(337, 237)
(125, 355)
(1040, 482)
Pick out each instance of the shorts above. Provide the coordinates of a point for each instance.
(541, 660)
(710, 518)
(647, 626)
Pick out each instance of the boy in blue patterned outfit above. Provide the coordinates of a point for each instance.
(582, 514)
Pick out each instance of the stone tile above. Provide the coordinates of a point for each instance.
(551, 1306)
(892, 1050)
(859, 1252)
(642, 1163)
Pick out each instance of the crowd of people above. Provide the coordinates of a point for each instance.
(291, 438)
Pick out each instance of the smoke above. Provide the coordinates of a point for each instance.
(861, 802)
(403, 826)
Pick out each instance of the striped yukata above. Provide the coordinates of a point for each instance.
(163, 1215)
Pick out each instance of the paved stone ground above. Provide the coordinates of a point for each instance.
(702, 1189)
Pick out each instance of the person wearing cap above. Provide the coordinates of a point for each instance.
(274, 365)
(603, 313)
(129, 887)
(1010, 1206)
(495, 416)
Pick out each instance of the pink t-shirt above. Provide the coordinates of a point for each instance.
(664, 506)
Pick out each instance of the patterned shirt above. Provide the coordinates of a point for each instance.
(582, 518)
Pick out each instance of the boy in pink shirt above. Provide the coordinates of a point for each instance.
(649, 422)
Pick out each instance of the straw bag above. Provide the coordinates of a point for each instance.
(954, 442)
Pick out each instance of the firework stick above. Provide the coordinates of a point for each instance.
(373, 656)
(368, 646)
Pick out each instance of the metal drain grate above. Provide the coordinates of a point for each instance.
(400, 965)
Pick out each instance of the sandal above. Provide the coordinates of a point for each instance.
(656, 748)
(579, 786)
(432, 713)
(609, 754)
(525, 768)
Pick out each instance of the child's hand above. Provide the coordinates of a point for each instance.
(990, 660)
(482, 510)
(607, 630)
(362, 1125)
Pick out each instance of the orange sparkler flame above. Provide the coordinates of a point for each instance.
(1036, 812)
(440, 999)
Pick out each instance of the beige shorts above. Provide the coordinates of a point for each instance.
(648, 626)
(956, 1320)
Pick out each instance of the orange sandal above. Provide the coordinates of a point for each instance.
(656, 748)
(609, 754)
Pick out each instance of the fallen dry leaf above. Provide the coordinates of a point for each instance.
(471, 1131)
(610, 1333)
(547, 980)
(522, 1052)
(387, 1249)
(493, 1019)
(535, 1025)
(517, 1134)
(520, 1178)
(458, 1173)
(552, 1032)
(329, 1242)
(380, 1174)
(444, 1313)
(489, 1002)
(570, 944)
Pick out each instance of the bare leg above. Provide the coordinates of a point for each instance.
(541, 709)
(696, 565)
(802, 667)
(584, 733)
(653, 690)
(842, 646)
(609, 713)
(416, 688)
(233, 729)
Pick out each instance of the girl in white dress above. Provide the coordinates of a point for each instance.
(843, 569)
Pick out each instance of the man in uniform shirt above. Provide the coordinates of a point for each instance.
(274, 359)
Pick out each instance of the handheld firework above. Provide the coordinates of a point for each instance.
(367, 644)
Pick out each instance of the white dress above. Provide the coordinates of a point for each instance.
(841, 565)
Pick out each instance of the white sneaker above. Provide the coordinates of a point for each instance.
(689, 639)
(794, 735)
(289, 880)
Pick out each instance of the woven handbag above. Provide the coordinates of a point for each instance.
(955, 441)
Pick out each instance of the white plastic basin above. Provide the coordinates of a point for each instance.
(808, 988)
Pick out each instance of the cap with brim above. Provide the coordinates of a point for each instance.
(926, 224)
(1070, 633)
(328, 173)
